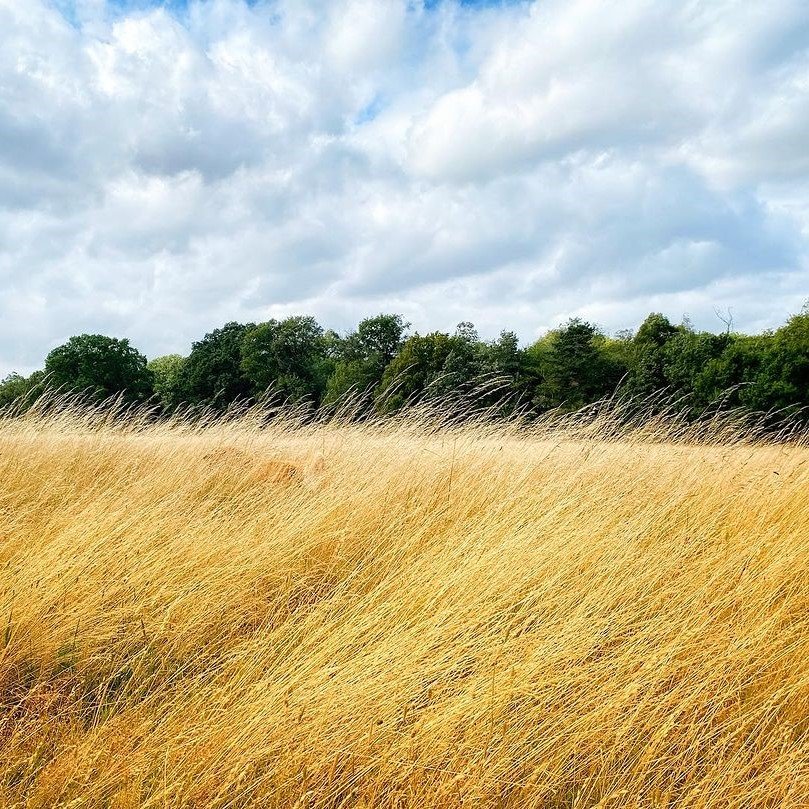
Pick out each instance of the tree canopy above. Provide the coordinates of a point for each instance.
(99, 367)
(290, 357)
(212, 374)
(379, 367)
(167, 374)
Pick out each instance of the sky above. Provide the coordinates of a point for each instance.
(166, 167)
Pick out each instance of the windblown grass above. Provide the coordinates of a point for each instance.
(234, 614)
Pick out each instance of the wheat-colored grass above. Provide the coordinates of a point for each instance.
(346, 616)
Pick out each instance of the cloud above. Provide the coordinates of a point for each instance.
(165, 168)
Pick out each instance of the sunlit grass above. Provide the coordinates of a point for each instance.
(387, 615)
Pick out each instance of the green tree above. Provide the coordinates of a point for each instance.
(735, 375)
(463, 368)
(290, 356)
(692, 366)
(19, 390)
(363, 357)
(212, 374)
(782, 381)
(503, 356)
(574, 366)
(791, 355)
(414, 368)
(647, 357)
(487, 374)
(100, 367)
(511, 369)
(352, 379)
(378, 339)
(12, 388)
(167, 379)
(433, 366)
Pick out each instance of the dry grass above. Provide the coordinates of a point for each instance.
(364, 616)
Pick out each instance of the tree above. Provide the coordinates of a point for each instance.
(100, 367)
(379, 368)
(435, 366)
(463, 368)
(575, 366)
(510, 370)
(19, 390)
(413, 370)
(212, 374)
(503, 355)
(353, 380)
(791, 355)
(12, 388)
(692, 367)
(647, 356)
(167, 379)
(735, 376)
(290, 356)
(782, 381)
(363, 357)
(378, 339)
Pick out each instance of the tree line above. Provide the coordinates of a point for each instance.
(380, 367)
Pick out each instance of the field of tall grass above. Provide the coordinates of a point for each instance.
(335, 615)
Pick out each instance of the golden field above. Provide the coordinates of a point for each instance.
(391, 616)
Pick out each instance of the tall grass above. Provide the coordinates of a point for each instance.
(234, 613)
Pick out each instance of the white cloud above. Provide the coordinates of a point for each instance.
(513, 165)
(365, 35)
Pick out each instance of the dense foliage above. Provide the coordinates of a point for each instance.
(380, 367)
(100, 367)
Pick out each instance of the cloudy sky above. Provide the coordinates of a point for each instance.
(168, 166)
